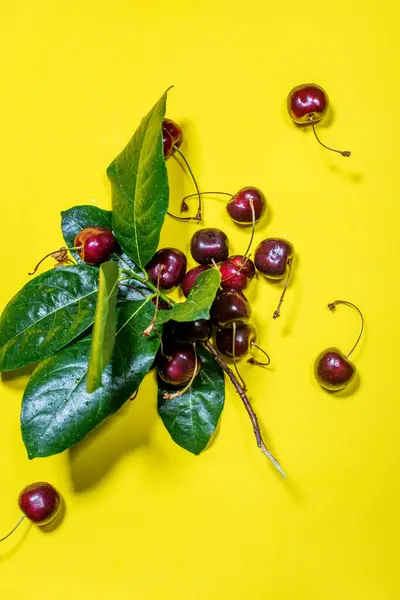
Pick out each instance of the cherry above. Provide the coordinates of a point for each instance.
(167, 268)
(274, 258)
(40, 503)
(95, 245)
(191, 331)
(236, 272)
(180, 366)
(230, 307)
(308, 104)
(191, 277)
(172, 137)
(239, 206)
(245, 336)
(209, 245)
(333, 369)
(161, 304)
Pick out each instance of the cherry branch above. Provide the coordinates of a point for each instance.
(253, 417)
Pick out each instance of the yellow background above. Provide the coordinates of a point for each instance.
(145, 519)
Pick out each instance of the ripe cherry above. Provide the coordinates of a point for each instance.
(209, 245)
(191, 331)
(308, 104)
(172, 137)
(236, 272)
(191, 277)
(273, 258)
(40, 503)
(237, 342)
(239, 206)
(180, 366)
(333, 369)
(167, 268)
(95, 245)
(230, 307)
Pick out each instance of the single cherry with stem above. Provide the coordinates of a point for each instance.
(273, 258)
(179, 368)
(40, 503)
(333, 369)
(172, 262)
(239, 205)
(172, 136)
(308, 104)
(244, 339)
(230, 307)
(209, 245)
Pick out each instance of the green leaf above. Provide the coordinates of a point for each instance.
(192, 418)
(58, 412)
(77, 218)
(199, 301)
(103, 336)
(49, 312)
(139, 186)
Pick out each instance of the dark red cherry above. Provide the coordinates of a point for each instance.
(162, 304)
(208, 245)
(178, 367)
(307, 103)
(239, 207)
(191, 331)
(272, 257)
(236, 273)
(96, 245)
(244, 338)
(333, 370)
(230, 307)
(191, 277)
(169, 264)
(174, 130)
(40, 502)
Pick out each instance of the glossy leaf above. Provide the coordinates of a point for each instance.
(139, 186)
(77, 218)
(192, 418)
(49, 312)
(103, 335)
(58, 412)
(199, 301)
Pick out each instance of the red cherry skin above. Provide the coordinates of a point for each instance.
(230, 307)
(333, 370)
(272, 256)
(231, 277)
(239, 208)
(307, 103)
(245, 336)
(174, 130)
(97, 244)
(40, 502)
(209, 244)
(177, 367)
(191, 277)
(172, 263)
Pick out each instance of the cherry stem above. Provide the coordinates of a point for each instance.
(277, 312)
(332, 305)
(204, 194)
(12, 530)
(253, 417)
(253, 214)
(63, 252)
(183, 218)
(132, 398)
(168, 396)
(342, 152)
(150, 328)
(198, 215)
(234, 357)
(254, 361)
